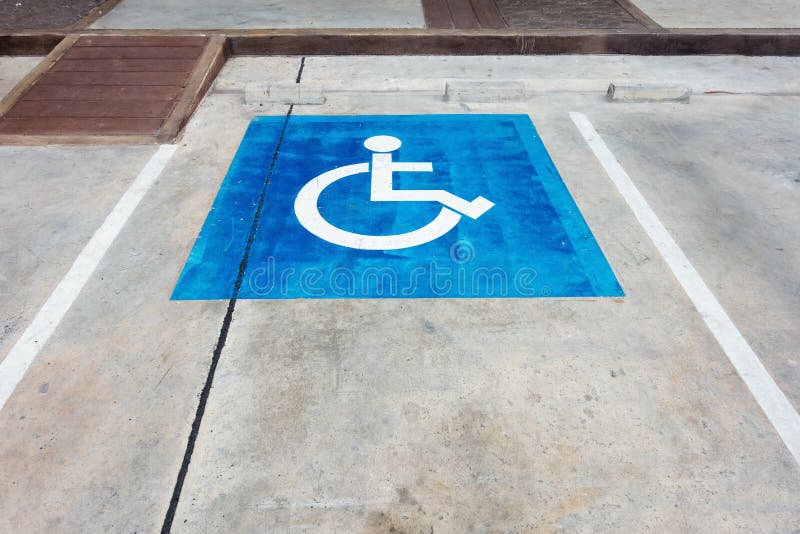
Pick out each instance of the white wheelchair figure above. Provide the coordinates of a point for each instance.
(382, 169)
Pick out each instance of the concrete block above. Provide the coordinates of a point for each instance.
(648, 93)
(480, 91)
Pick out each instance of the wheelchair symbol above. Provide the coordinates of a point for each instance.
(382, 169)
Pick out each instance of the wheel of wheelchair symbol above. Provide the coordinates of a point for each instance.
(381, 172)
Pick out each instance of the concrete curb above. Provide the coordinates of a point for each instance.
(748, 42)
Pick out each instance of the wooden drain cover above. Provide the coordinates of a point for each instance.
(112, 89)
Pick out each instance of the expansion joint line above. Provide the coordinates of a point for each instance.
(226, 324)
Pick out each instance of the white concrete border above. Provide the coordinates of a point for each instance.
(772, 400)
(23, 353)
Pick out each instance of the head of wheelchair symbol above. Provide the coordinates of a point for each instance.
(381, 170)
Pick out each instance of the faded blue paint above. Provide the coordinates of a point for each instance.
(533, 242)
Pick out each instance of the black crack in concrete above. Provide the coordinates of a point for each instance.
(223, 334)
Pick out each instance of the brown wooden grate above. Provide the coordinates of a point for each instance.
(132, 88)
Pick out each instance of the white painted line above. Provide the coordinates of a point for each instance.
(22, 354)
(772, 400)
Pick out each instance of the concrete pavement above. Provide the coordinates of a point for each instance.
(13, 69)
(173, 14)
(629, 15)
(443, 415)
(148, 14)
(723, 13)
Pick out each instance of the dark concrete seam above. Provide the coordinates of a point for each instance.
(223, 334)
(300, 72)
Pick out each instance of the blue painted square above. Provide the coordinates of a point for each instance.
(533, 242)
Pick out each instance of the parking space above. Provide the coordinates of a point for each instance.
(405, 414)
(100, 420)
(728, 190)
(427, 414)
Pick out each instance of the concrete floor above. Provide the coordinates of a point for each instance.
(173, 14)
(444, 415)
(730, 194)
(52, 220)
(13, 69)
(106, 412)
(542, 75)
(723, 13)
(208, 14)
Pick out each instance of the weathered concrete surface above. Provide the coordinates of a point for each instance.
(239, 71)
(96, 429)
(54, 198)
(210, 14)
(722, 13)
(539, 74)
(94, 434)
(505, 415)
(46, 219)
(13, 69)
(722, 176)
(485, 415)
(41, 14)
